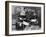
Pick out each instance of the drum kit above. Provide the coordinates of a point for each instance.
(24, 21)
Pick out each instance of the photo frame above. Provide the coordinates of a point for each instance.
(24, 18)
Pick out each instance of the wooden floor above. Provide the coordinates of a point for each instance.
(33, 27)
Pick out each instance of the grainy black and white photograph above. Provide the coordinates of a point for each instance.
(24, 18)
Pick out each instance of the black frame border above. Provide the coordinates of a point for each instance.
(7, 17)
